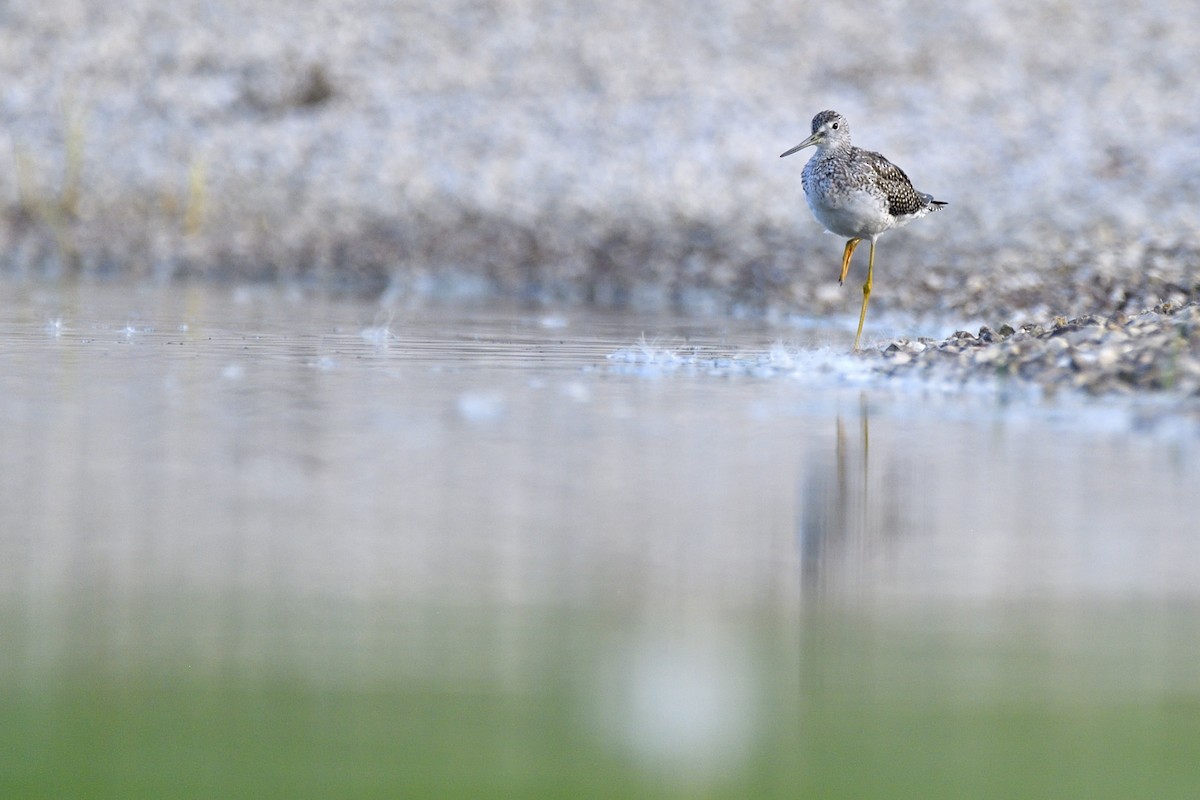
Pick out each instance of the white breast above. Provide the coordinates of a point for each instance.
(855, 214)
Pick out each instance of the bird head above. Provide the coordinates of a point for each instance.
(829, 130)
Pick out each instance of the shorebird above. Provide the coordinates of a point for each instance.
(856, 193)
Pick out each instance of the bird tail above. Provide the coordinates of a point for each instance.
(931, 204)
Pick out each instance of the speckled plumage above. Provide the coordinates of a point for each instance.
(856, 193)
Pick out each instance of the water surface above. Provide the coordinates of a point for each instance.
(256, 543)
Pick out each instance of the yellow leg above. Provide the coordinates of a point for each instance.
(862, 317)
(849, 251)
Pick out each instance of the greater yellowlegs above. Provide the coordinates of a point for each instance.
(856, 193)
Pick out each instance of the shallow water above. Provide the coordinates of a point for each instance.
(258, 544)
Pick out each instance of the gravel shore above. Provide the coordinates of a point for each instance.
(619, 154)
(1156, 350)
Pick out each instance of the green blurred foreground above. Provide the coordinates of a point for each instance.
(1026, 702)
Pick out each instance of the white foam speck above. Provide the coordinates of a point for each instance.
(480, 407)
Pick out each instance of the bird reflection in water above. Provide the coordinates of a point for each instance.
(849, 506)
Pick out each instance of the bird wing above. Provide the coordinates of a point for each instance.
(902, 198)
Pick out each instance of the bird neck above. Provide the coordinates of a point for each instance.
(830, 148)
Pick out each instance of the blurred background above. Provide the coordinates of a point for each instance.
(619, 153)
(442, 400)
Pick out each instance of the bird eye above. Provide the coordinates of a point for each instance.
(835, 126)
